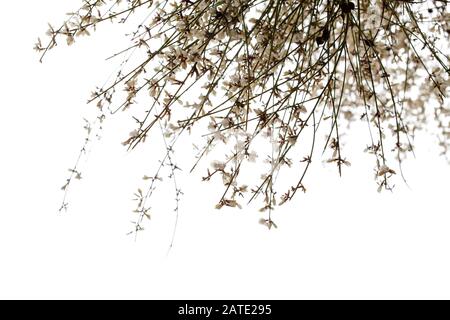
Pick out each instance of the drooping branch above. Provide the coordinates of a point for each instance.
(259, 80)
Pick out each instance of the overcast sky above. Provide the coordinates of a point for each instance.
(339, 240)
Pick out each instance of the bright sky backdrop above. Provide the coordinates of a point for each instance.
(339, 240)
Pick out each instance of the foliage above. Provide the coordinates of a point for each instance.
(279, 71)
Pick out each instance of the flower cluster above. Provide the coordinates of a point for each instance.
(271, 76)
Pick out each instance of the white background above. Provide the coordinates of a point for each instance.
(339, 240)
